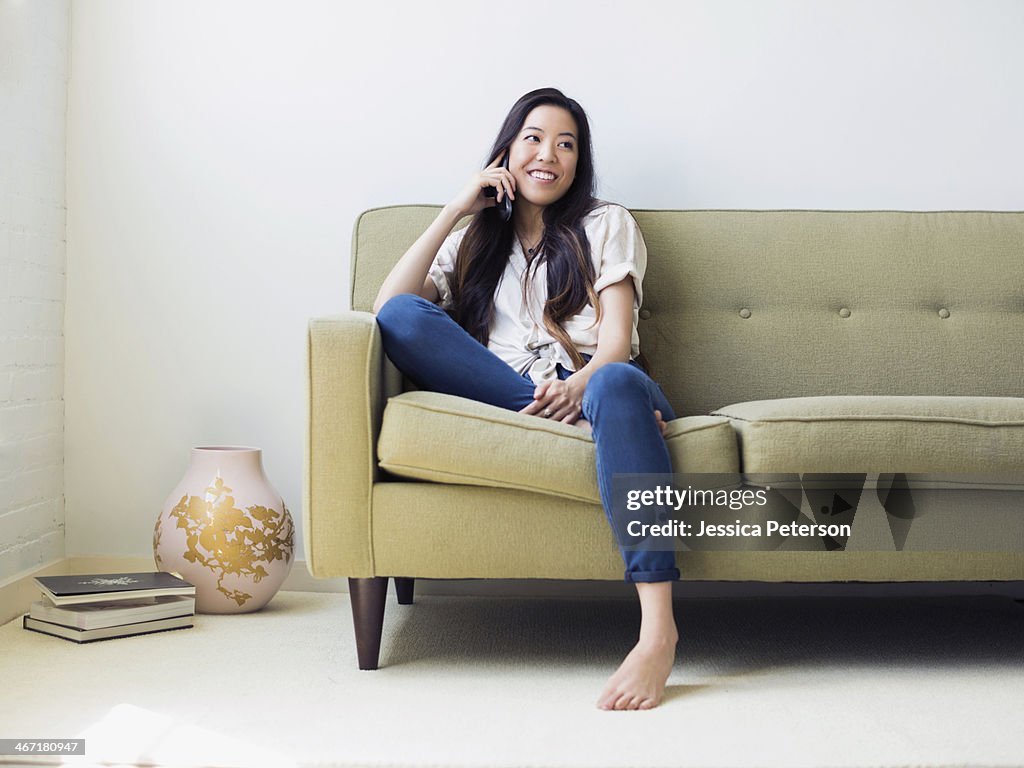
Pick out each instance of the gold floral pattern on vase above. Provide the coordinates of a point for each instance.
(228, 540)
(236, 547)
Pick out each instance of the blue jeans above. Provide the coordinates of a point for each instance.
(619, 403)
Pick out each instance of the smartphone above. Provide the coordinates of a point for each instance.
(505, 206)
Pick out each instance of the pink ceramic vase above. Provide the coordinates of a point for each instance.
(225, 529)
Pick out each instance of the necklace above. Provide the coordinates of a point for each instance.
(522, 242)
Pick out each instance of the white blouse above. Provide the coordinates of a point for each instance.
(518, 335)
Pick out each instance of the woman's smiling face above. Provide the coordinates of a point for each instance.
(542, 158)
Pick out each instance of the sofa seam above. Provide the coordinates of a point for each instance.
(846, 417)
(509, 422)
(368, 353)
(353, 250)
(390, 466)
(475, 417)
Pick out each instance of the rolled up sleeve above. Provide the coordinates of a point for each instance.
(618, 251)
(442, 269)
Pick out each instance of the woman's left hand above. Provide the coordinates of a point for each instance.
(559, 400)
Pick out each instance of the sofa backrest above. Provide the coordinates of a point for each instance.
(756, 305)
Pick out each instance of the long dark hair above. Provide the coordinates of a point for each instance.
(564, 247)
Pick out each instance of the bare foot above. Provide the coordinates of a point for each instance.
(639, 682)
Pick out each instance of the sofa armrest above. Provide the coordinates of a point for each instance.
(349, 381)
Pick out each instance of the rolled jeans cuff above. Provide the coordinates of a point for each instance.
(667, 574)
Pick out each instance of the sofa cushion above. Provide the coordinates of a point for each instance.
(955, 435)
(447, 439)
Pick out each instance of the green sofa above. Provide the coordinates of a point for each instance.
(787, 342)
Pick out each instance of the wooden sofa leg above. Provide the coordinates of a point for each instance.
(367, 596)
(403, 587)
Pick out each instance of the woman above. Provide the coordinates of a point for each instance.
(543, 314)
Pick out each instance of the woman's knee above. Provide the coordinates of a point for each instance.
(615, 388)
(399, 309)
(402, 319)
(616, 380)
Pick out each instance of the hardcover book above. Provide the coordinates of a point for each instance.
(113, 613)
(105, 633)
(90, 588)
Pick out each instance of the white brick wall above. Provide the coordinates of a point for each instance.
(33, 98)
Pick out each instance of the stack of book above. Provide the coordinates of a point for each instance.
(106, 605)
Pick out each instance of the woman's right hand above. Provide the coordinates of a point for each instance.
(472, 199)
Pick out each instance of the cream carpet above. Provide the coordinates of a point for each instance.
(473, 681)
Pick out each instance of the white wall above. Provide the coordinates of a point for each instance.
(219, 152)
(33, 87)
